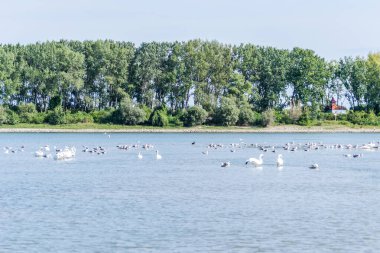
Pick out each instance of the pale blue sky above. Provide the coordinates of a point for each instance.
(332, 28)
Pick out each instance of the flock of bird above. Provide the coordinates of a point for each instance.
(70, 152)
(292, 147)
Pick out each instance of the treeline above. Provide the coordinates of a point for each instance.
(188, 83)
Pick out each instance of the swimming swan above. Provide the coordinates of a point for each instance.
(280, 161)
(158, 156)
(255, 161)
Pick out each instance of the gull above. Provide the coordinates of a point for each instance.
(314, 166)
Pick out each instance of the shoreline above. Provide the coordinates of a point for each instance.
(273, 129)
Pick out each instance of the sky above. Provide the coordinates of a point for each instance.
(332, 28)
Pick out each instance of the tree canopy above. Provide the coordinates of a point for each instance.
(219, 78)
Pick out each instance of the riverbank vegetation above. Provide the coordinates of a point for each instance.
(182, 84)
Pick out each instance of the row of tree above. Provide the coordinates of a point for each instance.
(97, 75)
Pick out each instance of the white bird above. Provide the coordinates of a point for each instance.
(140, 156)
(314, 166)
(39, 153)
(255, 161)
(280, 161)
(158, 156)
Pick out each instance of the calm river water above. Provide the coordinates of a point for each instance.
(186, 202)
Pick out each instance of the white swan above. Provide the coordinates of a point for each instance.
(67, 153)
(158, 156)
(280, 161)
(140, 156)
(255, 161)
(39, 153)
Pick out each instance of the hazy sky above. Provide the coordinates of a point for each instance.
(332, 28)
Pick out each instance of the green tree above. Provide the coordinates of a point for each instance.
(372, 95)
(308, 76)
(352, 73)
(147, 73)
(7, 88)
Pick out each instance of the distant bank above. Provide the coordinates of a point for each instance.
(202, 129)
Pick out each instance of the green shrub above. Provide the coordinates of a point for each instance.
(103, 116)
(329, 116)
(159, 117)
(305, 119)
(56, 117)
(37, 118)
(371, 119)
(148, 111)
(3, 116)
(357, 117)
(12, 117)
(26, 112)
(79, 117)
(227, 114)
(282, 117)
(129, 114)
(194, 116)
(268, 118)
(294, 114)
(246, 116)
(175, 120)
(342, 117)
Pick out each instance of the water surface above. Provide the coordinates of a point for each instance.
(186, 202)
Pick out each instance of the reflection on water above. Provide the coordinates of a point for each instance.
(187, 202)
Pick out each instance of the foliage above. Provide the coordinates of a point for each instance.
(305, 118)
(12, 118)
(246, 116)
(194, 116)
(268, 118)
(175, 120)
(103, 116)
(79, 117)
(129, 114)
(291, 115)
(37, 118)
(72, 81)
(363, 118)
(227, 114)
(159, 117)
(56, 117)
(3, 115)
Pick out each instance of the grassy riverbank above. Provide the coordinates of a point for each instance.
(330, 126)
